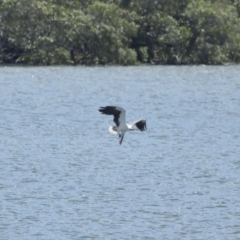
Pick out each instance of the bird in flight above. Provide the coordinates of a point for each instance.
(119, 119)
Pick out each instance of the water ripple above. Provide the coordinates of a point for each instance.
(63, 176)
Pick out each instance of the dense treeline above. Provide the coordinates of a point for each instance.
(119, 31)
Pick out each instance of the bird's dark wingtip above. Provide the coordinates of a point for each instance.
(101, 109)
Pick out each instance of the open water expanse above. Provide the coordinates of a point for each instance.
(64, 176)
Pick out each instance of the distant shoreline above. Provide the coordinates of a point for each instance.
(121, 33)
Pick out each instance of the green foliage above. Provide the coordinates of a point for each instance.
(111, 33)
(214, 27)
(123, 32)
(162, 34)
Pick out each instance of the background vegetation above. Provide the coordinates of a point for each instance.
(44, 32)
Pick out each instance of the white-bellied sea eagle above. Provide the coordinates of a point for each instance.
(119, 118)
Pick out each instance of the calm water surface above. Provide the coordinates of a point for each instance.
(63, 176)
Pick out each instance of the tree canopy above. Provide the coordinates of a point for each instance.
(126, 32)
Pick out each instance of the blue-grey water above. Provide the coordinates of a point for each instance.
(64, 176)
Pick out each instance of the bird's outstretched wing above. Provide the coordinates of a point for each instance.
(140, 124)
(117, 112)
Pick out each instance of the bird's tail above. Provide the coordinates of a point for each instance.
(113, 129)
